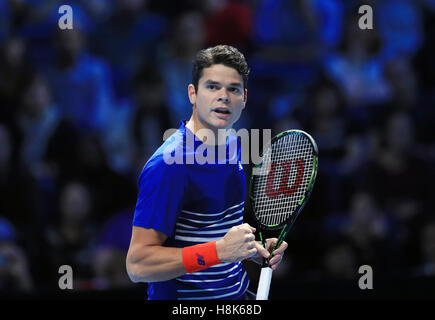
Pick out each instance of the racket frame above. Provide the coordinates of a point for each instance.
(292, 218)
(285, 226)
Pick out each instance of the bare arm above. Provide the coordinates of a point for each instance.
(148, 261)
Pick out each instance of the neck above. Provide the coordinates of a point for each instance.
(206, 135)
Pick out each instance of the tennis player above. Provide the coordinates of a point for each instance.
(188, 238)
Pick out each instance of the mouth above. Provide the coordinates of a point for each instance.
(223, 111)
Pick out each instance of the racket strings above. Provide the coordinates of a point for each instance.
(283, 178)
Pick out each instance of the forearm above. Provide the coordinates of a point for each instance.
(154, 263)
(149, 261)
(158, 263)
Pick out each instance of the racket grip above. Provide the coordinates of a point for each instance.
(264, 283)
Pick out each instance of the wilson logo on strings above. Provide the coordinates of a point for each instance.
(284, 188)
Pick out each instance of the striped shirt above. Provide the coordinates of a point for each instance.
(194, 201)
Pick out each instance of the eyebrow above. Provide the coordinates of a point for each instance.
(232, 84)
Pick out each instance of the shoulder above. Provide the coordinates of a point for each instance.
(162, 161)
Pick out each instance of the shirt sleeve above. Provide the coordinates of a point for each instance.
(160, 197)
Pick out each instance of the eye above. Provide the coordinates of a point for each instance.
(235, 90)
(212, 87)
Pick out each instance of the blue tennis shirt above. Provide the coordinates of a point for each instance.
(194, 193)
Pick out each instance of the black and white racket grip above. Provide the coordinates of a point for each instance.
(264, 283)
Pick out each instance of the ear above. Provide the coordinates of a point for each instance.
(245, 98)
(191, 93)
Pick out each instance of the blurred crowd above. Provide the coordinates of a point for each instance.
(82, 110)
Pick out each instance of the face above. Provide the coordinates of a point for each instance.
(220, 98)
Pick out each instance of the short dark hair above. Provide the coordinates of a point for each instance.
(221, 54)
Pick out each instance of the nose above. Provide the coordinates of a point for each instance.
(223, 96)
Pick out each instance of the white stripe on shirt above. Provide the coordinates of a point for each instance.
(212, 214)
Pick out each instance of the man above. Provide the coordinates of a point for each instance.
(188, 238)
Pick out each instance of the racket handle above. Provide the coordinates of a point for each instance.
(264, 283)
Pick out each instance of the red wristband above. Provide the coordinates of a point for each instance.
(200, 256)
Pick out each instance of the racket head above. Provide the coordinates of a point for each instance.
(282, 182)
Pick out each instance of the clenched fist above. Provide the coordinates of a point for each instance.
(238, 244)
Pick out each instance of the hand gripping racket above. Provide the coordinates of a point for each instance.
(280, 187)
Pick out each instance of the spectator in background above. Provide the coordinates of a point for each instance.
(39, 18)
(393, 162)
(357, 68)
(15, 277)
(406, 98)
(5, 20)
(358, 149)
(399, 178)
(77, 156)
(344, 176)
(38, 118)
(72, 233)
(135, 128)
(400, 27)
(325, 118)
(20, 201)
(14, 69)
(99, 11)
(151, 117)
(403, 82)
(17, 188)
(423, 59)
(367, 231)
(186, 38)
(81, 83)
(129, 37)
(229, 22)
(291, 39)
(110, 252)
(340, 261)
(427, 250)
(109, 270)
(296, 32)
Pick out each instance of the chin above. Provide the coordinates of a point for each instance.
(223, 125)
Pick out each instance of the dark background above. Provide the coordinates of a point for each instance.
(82, 110)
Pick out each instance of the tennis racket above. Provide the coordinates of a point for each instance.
(280, 187)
